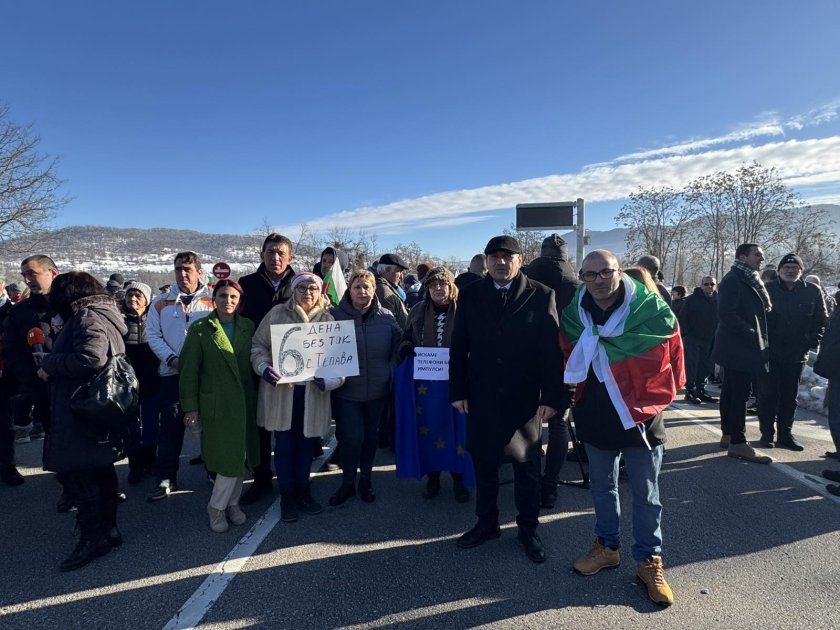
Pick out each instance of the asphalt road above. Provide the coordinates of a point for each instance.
(746, 546)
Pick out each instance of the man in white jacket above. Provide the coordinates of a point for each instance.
(170, 315)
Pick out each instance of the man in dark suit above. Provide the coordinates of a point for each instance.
(269, 285)
(506, 376)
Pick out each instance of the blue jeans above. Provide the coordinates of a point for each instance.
(834, 412)
(643, 470)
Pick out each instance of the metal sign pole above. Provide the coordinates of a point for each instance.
(581, 232)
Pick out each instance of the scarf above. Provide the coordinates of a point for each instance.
(627, 353)
(754, 280)
(435, 335)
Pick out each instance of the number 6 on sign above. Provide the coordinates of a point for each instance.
(324, 349)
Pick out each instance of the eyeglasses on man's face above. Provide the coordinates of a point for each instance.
(604, 274)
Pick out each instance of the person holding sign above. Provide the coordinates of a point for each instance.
(430, 433)
(218, 396)
(359, 404)
(297, 412)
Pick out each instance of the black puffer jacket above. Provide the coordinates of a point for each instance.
(143, 360)
(699, 316)
(797, 321)
(80, 349)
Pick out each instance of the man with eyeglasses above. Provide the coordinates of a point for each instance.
(505, 375)
(269, 285)
(624, 355)
(698, 321)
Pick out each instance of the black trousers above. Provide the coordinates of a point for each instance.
(262, 472)
(526, 493)
(94, 493)
(733, 404)
(558, 446)
(698, 363)
(7, 435)
(357, 431)
(777, 391)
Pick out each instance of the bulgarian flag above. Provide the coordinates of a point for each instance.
(334, 284)
(637, 354)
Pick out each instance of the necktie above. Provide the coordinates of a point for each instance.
(504, 292)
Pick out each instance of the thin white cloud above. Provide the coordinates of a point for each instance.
(800, 163)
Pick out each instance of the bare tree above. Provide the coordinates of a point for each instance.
(359, 246)
(659, 222)
(30, 189)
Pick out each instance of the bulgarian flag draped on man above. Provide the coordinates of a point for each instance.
(637, 354)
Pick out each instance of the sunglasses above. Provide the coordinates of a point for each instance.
(709, 284)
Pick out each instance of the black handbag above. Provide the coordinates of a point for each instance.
(110, 398)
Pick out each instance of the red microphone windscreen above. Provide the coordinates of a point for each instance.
(35, 336)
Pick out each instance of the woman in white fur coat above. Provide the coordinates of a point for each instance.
(298, 413)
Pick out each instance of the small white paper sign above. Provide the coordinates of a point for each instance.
(324, 349)
(431, 364)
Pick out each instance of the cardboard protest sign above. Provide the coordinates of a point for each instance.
(324, 349)
(431, 364)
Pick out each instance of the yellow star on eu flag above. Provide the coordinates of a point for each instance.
(424, 430)
(440, 444)
(422, 390)
(418, 409)
(460, 451)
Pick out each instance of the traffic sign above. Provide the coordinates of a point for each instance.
(221, 270)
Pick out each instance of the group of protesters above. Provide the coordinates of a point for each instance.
(524, 345)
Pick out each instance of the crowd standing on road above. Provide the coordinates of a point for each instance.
(605, 350)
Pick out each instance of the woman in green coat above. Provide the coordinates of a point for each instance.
(219, 399)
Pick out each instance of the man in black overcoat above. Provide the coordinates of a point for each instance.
(506, 375)
(268, 286)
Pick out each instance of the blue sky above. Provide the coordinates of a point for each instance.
(423, 121)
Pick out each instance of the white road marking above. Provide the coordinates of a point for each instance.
(197, 606)
(812, 482)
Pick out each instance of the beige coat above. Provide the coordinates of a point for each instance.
(274, 404)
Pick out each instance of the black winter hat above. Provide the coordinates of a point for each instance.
(554, 247)
(507, 243)
(790, 258)
(117, 277)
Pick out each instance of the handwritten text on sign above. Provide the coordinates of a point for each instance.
(324, 349)
(431, 364)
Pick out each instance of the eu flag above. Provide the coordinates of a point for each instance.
(431, 435)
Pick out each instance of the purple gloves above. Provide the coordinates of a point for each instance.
(271, 376)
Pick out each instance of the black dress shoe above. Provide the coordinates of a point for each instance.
(478, 535)
(114, 537)
(833, 489)
(766, 441)
(533, 546)
(462, 494)
(288, 507)
(11, 476)
(65, 503)
(704, 397)
(548, 494)
(86, 550)
(832, 455)
(432, 488)
(366, 492)
(307, 504)
(789, 442)
(832, 475)
(195, 461)
(344, 492)
(258, 490)
(691, 399)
